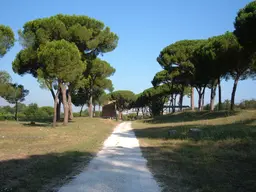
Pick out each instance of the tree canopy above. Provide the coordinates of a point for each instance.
(6, 39)
(60, 60)
(245, 26)
(89, 35)
(56, 50)
(154, 98)
(245, 30)
(15, 93)
(5, 81)
(5, 77)
(123, 99)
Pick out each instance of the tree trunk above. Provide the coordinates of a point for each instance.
(119, 115)
(16, 110)
(81, 110)
(59, 105)
(94, 109)
(138, 110)
(70, 112)
(55, 109)
(200, 92)
(174, 101)
(90, 107)
(202, 106)
(232, 106)
(65, 103)
(199, 101)
(170, 103)
(199, 98)
(53, 94)
(57, 116)
(213, 93)
(220, 102)
(192, 99)
(58, 110)
(181, 98)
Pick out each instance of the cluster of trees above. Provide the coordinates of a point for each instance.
(201, 64)
(151, 101)
(61, 52)
(226, 104)
(26, 112)
(12, 92)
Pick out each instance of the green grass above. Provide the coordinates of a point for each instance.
(221, 159)
(40, 158)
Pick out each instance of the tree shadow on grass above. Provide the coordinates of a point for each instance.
(48, 172)
(41, 172)
(192, 168)
(36, 124)
(190, 116)
(222, 159)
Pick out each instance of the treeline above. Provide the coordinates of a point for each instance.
(225, 105)
(30, 112)
(33, 112)
(61, 52)
(201, 64)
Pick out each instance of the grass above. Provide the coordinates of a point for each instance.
(39, 158)
(221, 159)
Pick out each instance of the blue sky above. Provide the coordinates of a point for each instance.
(144, 28)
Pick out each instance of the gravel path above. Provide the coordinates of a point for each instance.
(119, 166)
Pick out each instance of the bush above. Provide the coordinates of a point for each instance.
(97, 114)
(207, 107)
(76, 114)
(132, 116)
(46, 110)
(41, 114)
(6, 117)
(129, 117)
(7, 109)
(31, 111)
(21, 116)
(248, 104)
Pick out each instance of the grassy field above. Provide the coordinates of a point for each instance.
(222, 158)
(39, 158)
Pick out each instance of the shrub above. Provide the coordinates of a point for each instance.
(248, 104)
(41, 113)
(4, 117)
(97, 114)
(129, 117)
(47, 110)
(132, 116)
(31, 111)
(75, 114)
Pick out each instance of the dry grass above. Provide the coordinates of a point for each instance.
(222, 158)
(38, 157)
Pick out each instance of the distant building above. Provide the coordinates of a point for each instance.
(109, 110)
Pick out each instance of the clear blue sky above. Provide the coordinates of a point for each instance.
(144, 28)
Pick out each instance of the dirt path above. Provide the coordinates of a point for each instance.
(119, 166)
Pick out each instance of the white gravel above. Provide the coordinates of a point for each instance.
(119, 166)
